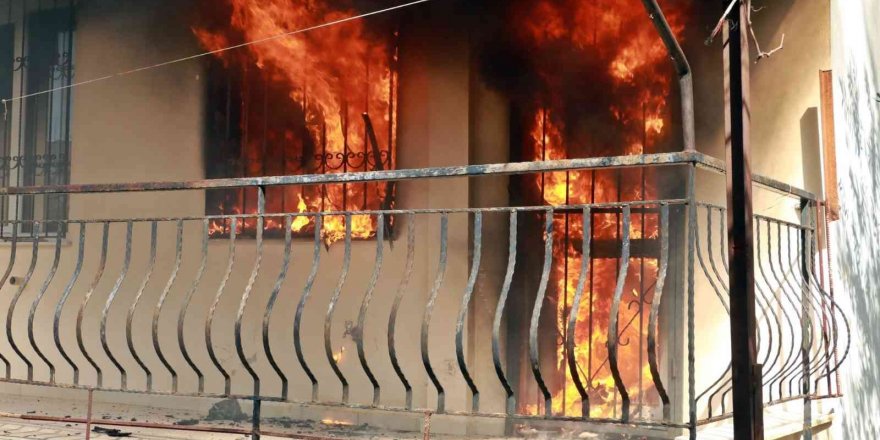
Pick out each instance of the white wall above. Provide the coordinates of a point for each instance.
(856, 61)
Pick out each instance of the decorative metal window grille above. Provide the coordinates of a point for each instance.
(36, 55)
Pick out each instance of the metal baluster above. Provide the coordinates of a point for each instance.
(112, 296)
(328, 319)
(362, 315)
(239, 348)
(12, 252)
(463, 310)
(613, 335)
(395, 307)
(764, 300)
(791, 295)
(36, 304)
(17, 296)
(307, 290)
(584, 273)
(781, 293)
(178, 254)
(769, 367)
(209, 341)
(56, 323)
(655, 310)
(536, 312)
(181, 317)
(270, 306)
(154, 226)
(81, 314)
(499, 314)
(429, 310)
(691, 286)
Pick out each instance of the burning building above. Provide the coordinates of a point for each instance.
(307, 253)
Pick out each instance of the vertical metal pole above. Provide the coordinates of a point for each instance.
(747, 399)
(255, 420)
(89, 416)
(806, 324)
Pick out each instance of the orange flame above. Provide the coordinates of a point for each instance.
(332, 76)
(620, 33)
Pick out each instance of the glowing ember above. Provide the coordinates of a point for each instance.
(328, 79)
(334, 422)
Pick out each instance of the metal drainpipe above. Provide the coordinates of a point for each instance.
(682, 68)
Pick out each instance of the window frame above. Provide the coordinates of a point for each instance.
(35, 137)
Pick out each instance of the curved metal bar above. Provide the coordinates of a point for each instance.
(499, 313)
(36, 304)
(829, 346)
(536, 313)
(720, 295)
(791, 359)
(718, 288)
(125, 264)
(614, 320)
(239, 348)
(328, 319)
(17, 296)
(395, 307)
(209, 341)
(831, 307)
(178, 257)
(56, 322)
(429, 309)
(807, 326)
(463, 310)
(365, 304)
(573, 368)
(154, 226)
(12, 252)
(846, 323)
(722, 213)
(820, 360)
(300, 307)
(726, 387)
(81, 314)
(655, 309)
(181, 317)
(786, 279)
(270, 306)
(769, 368)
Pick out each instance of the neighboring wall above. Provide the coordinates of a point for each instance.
(856, 65)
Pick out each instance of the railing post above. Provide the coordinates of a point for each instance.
(747, 400)
(806, 324)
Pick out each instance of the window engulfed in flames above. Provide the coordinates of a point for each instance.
(299, 105)
(600, 83)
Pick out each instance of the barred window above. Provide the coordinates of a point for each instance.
(322, 102)
(36, 55)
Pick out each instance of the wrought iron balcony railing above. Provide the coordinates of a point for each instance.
(269, 333)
